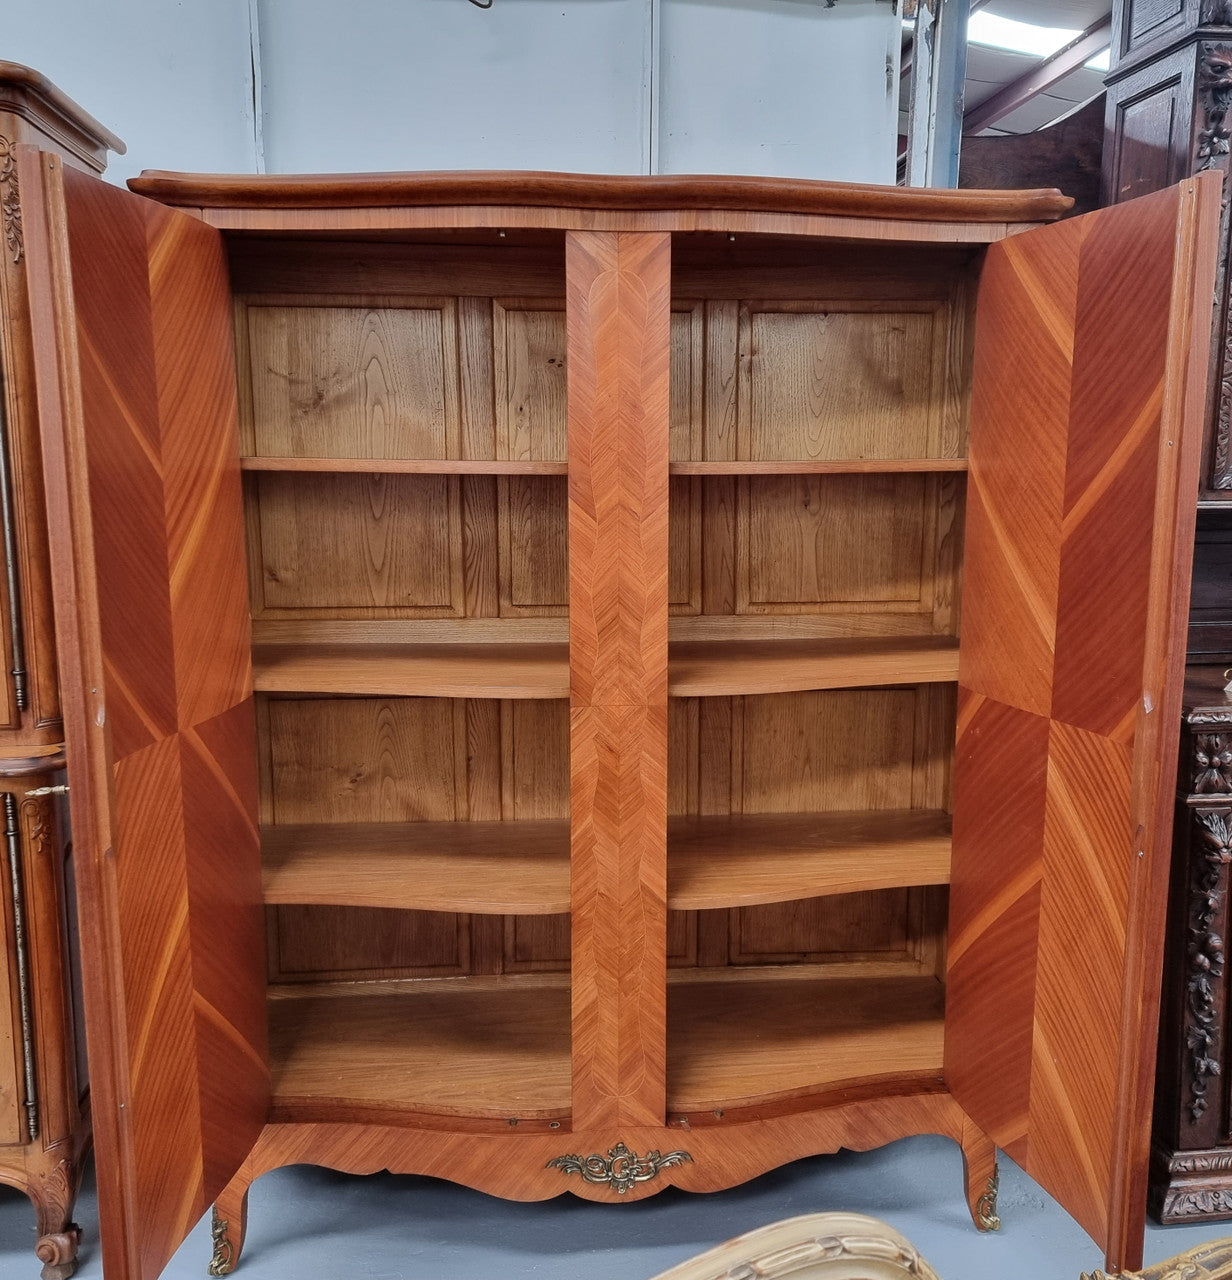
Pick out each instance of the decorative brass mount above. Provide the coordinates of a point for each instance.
(223, 1261)
(621, 1168)
(986, 1216)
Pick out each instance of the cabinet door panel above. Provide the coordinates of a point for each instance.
(1089, 382)
(136, 385)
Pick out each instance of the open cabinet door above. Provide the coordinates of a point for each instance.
(1091, 352)
(136, 385)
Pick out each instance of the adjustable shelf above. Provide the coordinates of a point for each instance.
(496, 1047)
(719, 668)
(522, 868)
(514, 868)
(742, 860)
(414, 670)
(733, 1040)
(410, 466)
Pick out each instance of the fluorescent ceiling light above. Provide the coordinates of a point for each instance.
(1025, 37)
(988, 29)
(1018, 37)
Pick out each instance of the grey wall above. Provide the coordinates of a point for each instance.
(172, 77)
(441, 84)
(785, 87)
(626, 86)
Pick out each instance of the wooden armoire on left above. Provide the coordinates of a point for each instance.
(44, 1107)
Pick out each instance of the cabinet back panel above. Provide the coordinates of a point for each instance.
(831, 540)
(316, 943)
(845, 926)
(837, 384)
(354, 382)
(412, 759)
(814, 352)
(369, 542)
(370, 546)
(841, 555)
(369, 376)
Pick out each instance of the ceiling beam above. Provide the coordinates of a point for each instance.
(1040, 77)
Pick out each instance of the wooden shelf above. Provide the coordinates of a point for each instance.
(496, 1047)
(414, 670)
(747, 859)
(732, 1041)
(713, 668)
(522, 868)
(410, 466)
(500, 868)
(816, 466)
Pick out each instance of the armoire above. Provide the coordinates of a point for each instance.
(594, 684)
(44, 1088)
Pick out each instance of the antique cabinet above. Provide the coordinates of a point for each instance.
(1169, 94)
(1191, 1174)
(44, 1113)
(593, 684)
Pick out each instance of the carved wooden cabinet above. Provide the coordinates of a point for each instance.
(44, 1114)
(1169, 97)
(514, 632)
(1192, 1160)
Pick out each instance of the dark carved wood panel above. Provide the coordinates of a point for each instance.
(1072, 655)
(1191, 1166)
(137, 390)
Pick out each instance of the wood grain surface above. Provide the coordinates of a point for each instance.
(585, 190)
(136, 384)
(746, 859)
(523, 866)
(619, 301)
(424, 670)
(714, 669)
(1075, 595)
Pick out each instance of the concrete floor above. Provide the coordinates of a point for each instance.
(313, 1224)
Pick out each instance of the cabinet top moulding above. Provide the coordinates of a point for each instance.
(29, 93)
(665, 202)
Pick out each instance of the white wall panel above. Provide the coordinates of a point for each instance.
(173, 79)
(783, 87)
(442, 84)
(746, 86)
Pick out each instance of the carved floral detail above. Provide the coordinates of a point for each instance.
(1215, 96)
(875, 1249)
(1217, 12)
(1200, 1162)
(1205, 1261)
(1206, 957)
(38, 826)
(10, 200)
(1212, 763)
(621, 1168)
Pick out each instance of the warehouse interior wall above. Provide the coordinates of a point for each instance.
(805, 88)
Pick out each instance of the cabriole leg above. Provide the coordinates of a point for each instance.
(230, 1222)
(982, 1178)
(59, 1236)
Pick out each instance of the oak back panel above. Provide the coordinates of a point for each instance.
(136, 385)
